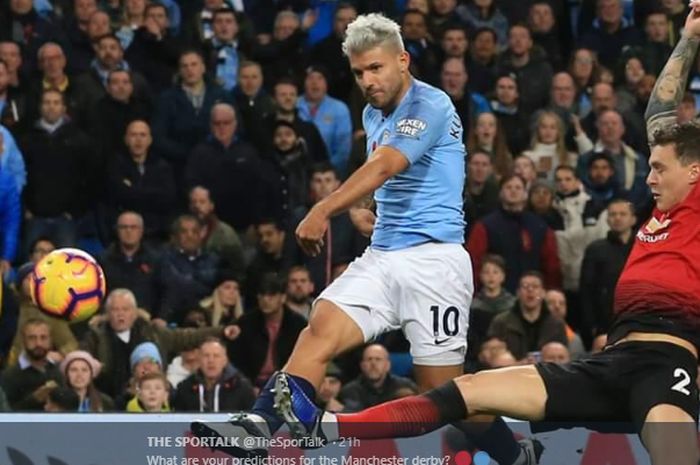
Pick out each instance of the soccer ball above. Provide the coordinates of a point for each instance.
(68, 284)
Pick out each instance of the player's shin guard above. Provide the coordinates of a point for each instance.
(410, 416)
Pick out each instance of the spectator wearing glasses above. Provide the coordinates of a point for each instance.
(129, 263)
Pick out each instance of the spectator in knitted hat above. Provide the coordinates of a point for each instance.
(330, 389)
(144, 360)
(286, 94)
(80, 369)
(291, 161)
(224, 305)
(601, 183)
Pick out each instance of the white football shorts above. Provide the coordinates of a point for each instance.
(425, 290)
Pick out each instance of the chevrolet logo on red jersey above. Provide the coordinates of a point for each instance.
(654, 225)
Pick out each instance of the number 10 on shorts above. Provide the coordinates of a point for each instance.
(446, 322)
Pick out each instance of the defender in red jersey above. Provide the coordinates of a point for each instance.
(646, 374)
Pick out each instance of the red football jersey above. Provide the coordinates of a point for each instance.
(659, 288)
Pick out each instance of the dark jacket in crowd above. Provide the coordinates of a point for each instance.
(534, 79)
(184, 280)
(80, 53)
(316, 148)
(521, 336)
(148, 190)
(155, 59)
(281, 58)
(329, 51)
(62, 169)
(248, 351)
(360, 394)
(108, 119)
(178, 126)
(232, 392)
(476, 206)
(92, 89)
(609, 46)
(602, 265)
(136, 273)
(236, 178)
(20, 383)
(525, 242)
(251, 111)
(290, 179)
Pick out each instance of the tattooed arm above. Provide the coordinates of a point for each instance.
(671, 83)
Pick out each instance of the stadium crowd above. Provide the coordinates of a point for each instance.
(182, 141)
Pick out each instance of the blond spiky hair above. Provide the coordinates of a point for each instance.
(370, 31)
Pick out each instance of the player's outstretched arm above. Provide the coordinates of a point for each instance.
(362, 215)
(671, 84)
(384, 163)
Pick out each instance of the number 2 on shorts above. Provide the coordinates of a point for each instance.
(681, 385)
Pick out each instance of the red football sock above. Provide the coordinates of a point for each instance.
(410, 416)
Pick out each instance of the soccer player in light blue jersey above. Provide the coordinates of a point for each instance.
(415, 275)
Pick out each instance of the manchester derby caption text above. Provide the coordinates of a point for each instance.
(164, 442)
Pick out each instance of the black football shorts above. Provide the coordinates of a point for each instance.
(620, 385)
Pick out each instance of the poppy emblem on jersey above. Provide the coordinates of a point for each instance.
(654, 225)
(410, 127)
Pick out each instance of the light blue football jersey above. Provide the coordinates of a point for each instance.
(424, 202)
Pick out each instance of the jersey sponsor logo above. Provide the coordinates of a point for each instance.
(441, 341)
(654, 225)
(650, 238)
(411, 127)
(652, 231)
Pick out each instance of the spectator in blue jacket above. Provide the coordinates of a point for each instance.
(11, 160)
(186, 272)
(630, 168)
(10, 215)
(181, 119)
(611, 33)
(331, 116)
